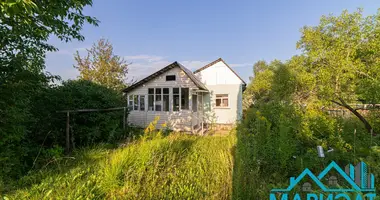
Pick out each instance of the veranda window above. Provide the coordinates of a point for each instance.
(130, 102)
(195, 102)
(165, 99)
(158, 100)
(221, 100)
(185, 98)
(136, 102)
(151, 99)
(175, 99)
(142, 103)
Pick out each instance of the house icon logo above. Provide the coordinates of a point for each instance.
(354, 182)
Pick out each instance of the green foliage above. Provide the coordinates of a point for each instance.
(27, 25)
(102, 66)
(42, 125)
(284, 121)
(174, 167)
(92, 127)
(25, 29)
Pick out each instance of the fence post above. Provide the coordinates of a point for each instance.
(124, 119)
(67, 132)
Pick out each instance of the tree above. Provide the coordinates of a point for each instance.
(25, 27)
(102, 66)
(343, 54)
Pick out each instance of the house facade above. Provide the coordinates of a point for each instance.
(187, 101)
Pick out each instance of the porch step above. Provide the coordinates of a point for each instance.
(198, 129)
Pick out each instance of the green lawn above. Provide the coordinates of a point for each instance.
(172, 167)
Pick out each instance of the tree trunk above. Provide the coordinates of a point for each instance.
(357, 114)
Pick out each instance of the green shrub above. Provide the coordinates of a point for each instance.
(33, 128)
(276, 141)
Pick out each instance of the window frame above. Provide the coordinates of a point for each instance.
(185, 106)
(175, 77)
(194, 102)
(170, 97)
(221, 101)
(142, 100)
(130, 102)
(159, 95)
(178, 95)
(133, 105)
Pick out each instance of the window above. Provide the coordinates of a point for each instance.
(158, 100)
(151, 99)
(135, 102)
(195, 102)
(165, 99)
(170, 78)
(185, 98)
(142, 103)
(130, 102)
(221, 100)
(175, 99)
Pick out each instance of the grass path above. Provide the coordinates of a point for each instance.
(173, 167)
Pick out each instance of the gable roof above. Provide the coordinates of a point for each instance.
(216, 61)
(196, 81)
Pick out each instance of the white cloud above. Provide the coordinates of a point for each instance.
(148, 58)
(194, 64)
(81, 49)
(241, 65)
(140, 70)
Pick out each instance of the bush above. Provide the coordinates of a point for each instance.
(92, 127)
(277, 141)
(32, 127)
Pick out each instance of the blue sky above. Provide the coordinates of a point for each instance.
(152, 34)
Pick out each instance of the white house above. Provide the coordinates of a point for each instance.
(187, 101)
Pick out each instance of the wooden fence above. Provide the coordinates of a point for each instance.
(67, 147)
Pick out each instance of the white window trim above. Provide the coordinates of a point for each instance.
(223, 107)
(180, 99)
(154, 99)
(171, 99)
(132, 108)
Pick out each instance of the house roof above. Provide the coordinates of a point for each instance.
(216, 61)
(196, 81)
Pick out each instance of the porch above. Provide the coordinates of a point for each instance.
(178, 108)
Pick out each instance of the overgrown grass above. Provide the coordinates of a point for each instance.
(172, 167)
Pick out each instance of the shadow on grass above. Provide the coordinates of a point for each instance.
(79, 159)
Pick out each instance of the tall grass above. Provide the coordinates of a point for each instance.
(172, 167)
